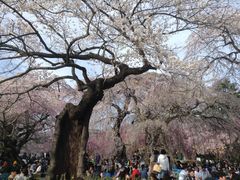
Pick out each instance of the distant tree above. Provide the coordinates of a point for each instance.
(122, 112)
(227, 86)
(178, 113)
(27, 117)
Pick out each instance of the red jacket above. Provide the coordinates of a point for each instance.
(135, 173)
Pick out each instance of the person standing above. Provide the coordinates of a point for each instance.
(163, 160)
(143, 172)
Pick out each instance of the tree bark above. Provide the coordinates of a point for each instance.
(120, 148)
(119, 144)
(71, 133)
(71, 136)
(10, 151)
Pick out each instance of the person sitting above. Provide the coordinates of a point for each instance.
(90, 171)
(183, 173)
(135, 173)
(39, 167)
(120, 172)
(204, 173)
(5, 171)
(190, 175)
(23, 174)
(13, 175)
(234, 175)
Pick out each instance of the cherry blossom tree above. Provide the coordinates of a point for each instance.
(122, 112)
(114, 109)
(184, 114)
(172, 113)
(218, 45)
(27, 117)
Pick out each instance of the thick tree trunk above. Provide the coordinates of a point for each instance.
(119, 145)
(120, 149)
(71, 136)
(121, 154)
(10, 151)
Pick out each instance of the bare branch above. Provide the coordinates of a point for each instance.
(30, 24)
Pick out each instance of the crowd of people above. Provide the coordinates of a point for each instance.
(29, 167)
(159, 166)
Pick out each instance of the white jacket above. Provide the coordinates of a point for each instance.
(164, 162)
(182, 175)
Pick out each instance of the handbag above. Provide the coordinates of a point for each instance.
(157, 168)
